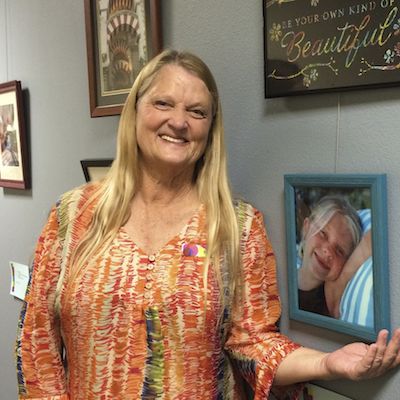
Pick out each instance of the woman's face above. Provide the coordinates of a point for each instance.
(173, 120)
(327, 248)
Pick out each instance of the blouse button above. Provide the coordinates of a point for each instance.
(147, 295)
(152, 258)
(150, 267)
(149, 277)
(148, 285)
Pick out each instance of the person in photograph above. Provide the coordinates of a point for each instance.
(155, 283)
(9, 157)
(329, 235)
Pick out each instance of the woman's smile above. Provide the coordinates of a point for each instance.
(172, 139)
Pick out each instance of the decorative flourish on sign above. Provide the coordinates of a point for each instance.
(389, 57)
(309, 72)
(272, 2)
(275, 32)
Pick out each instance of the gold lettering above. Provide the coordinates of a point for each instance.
(293, 50)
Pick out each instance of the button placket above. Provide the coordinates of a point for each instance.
(149, 277)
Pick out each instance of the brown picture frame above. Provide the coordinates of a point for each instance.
(122, 41)
(14, 161)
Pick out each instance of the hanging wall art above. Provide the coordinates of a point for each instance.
(121, 36)
(314, 45)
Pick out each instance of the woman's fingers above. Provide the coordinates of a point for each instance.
(381, 355)
(392, 355)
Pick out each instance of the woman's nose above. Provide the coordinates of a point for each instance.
(327, 252)
(178, 119)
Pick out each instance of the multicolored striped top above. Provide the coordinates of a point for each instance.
(138, 326)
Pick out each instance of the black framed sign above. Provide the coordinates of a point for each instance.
(316, 45)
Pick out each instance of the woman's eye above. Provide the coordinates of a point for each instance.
(340, 252)
(322, 233)
(197, 113)
(161, 104)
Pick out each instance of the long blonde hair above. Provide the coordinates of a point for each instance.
(210, 178)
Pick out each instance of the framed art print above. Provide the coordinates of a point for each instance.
(121, 36)
(314, 45)
(14, 162)
(336, 229)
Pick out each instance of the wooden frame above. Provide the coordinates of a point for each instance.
(119, 42)
(364, 306)
(313, 45)
(96, 169)
(14, 162)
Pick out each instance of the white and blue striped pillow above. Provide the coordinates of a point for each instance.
(357, 303)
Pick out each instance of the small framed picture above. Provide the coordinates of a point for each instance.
(14, 163)
(336, 228)
(121, 36)
(96, 169)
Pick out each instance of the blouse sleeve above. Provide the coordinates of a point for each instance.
(40, 368)
(254, 343)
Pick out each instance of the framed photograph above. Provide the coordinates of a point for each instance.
(96, 169)
(314, 45)
(14, 163)
(121, 36)
(336, 230)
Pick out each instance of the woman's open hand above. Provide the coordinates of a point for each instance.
(358, 361)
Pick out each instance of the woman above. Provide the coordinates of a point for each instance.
(329, 235)
(153, 282)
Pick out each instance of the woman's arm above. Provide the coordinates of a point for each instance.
(355, 361)
(41, 374)
(254, 344)
(334, 289)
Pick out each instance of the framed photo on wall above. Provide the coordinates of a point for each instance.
(96, 169)
(121, 36)
(314, 45)
(336, 229)
(14, 162)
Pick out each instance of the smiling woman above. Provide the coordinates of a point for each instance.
(329, 235)
(154, 280)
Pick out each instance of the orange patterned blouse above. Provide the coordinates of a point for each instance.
(136, 326)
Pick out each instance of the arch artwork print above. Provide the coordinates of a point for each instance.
(121, 36)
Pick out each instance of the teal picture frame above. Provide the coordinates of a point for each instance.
(362, 191)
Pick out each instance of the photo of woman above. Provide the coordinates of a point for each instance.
(334, 256)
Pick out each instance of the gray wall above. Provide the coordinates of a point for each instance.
(42, 43)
